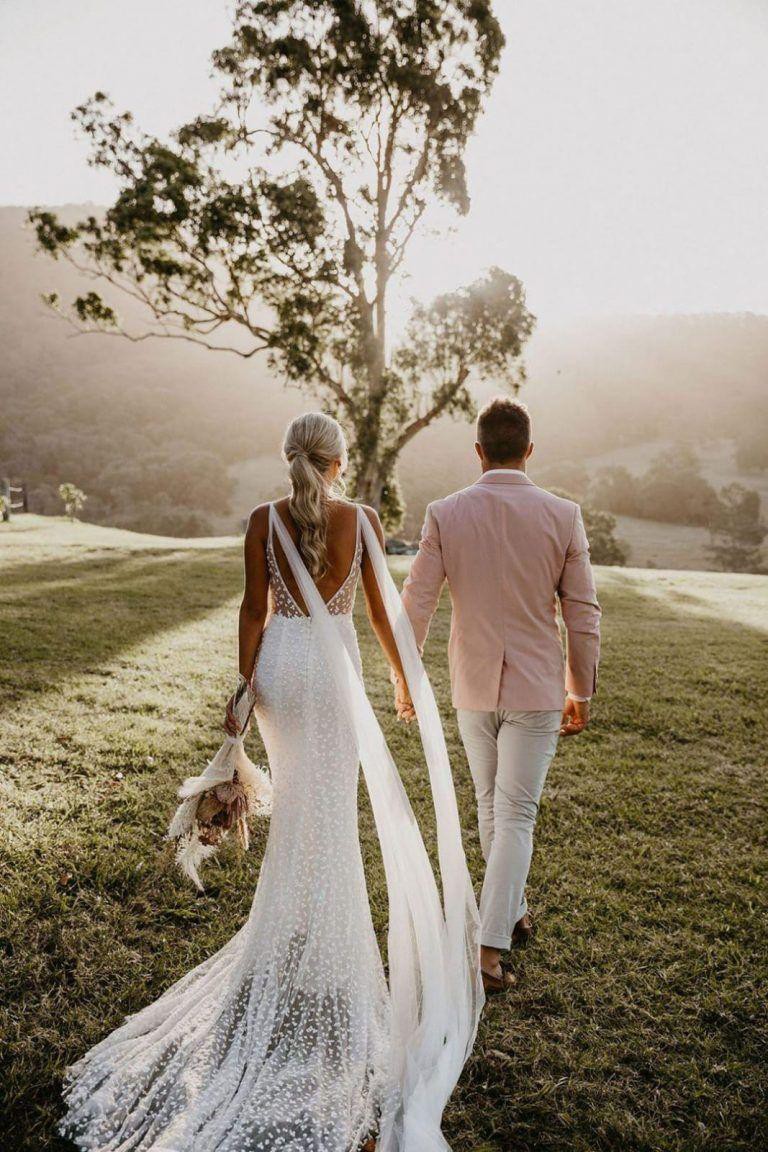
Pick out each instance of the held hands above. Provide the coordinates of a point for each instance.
(403, 703)
(575, 717)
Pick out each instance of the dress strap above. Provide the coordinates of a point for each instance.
(283, 599)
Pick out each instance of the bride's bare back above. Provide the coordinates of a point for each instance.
(341, 545)
(341, 542)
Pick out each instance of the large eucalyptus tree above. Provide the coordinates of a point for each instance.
(278, 223)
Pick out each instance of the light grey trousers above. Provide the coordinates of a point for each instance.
(509, 755)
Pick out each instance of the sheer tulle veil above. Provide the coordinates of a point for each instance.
(433, 944)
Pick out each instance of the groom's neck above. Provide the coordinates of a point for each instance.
(515, 466)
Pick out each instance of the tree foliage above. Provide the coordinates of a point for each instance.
(276, 224)
(152, 460)
(600, 527)
(73, 499)
(565, 475)
(672, 489)
(752, 445)
(616, 490)
(738, 532)
(604, 545)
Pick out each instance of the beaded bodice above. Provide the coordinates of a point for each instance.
(342, 602)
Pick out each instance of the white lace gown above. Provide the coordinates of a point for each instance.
(280, 1042)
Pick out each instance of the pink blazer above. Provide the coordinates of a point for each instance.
(509, 551)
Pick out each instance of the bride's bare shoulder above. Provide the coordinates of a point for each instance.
(258, 522)
(348, 510)
(371, 513)
(373, 516)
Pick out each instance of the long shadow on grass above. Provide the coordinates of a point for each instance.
(80, 615)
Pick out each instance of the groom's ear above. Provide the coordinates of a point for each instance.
(479, 451)
(529, 453)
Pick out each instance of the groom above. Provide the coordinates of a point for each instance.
(509, 551)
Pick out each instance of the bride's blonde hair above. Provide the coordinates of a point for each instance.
(311, 444)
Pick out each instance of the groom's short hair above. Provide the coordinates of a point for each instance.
(504, 430)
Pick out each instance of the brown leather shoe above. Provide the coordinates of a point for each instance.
(523, 931)
(493, 985)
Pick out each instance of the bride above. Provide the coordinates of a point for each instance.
(291, 1038)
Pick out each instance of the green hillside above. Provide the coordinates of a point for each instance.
(638, 1022)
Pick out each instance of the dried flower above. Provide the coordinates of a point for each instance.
(208, 814)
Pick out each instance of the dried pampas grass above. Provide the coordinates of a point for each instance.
(222, 800)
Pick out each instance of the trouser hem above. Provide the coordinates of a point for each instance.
(503, 943)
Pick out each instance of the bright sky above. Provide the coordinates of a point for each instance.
(622, 164)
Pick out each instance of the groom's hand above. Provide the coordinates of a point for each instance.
(575, 717)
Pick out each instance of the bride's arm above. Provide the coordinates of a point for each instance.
(253, 608)
(377, 614)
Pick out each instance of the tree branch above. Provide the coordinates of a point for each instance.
(445, 395)
(417, 175)
(139, 338)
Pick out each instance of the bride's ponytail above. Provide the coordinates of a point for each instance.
(312, 443)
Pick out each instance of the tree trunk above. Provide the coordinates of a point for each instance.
(368, 469)
(369, 483)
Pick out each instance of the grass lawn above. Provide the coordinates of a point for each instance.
(639, 1019)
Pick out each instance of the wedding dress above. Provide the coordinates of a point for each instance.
(290, 1038)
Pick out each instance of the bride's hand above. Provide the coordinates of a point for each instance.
(403, 703)
(230, 723)
(231, 726)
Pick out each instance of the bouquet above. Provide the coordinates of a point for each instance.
(221, 800)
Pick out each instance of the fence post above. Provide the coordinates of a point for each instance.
(7, 491)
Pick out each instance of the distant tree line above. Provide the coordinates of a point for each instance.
(604, 546)
(752, 447)
(674, 490)
(145, 465)
(737, 532)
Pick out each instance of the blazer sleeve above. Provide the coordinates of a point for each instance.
(581, 613)
(424, 583)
